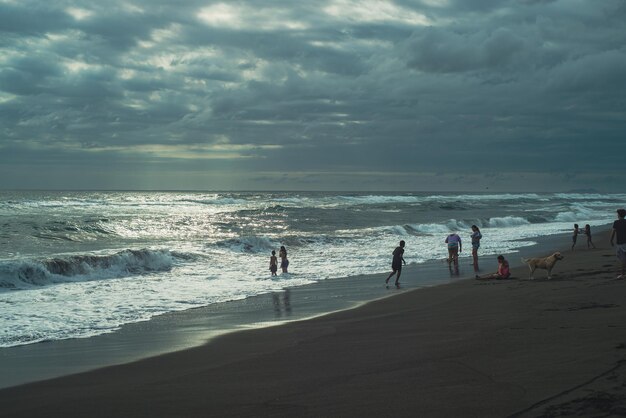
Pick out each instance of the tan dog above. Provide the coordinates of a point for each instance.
(545, 263)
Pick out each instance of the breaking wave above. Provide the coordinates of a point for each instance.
(248, 244)
(24, 274)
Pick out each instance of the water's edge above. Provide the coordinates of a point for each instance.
(185, 329)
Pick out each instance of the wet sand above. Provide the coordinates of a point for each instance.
(514, 347)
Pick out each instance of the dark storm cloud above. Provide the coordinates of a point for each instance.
(15, 18)
(338, 88)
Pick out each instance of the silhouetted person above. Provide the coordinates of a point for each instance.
(273, 263)
(575, 236)
(619, 232)
(588, 233)
(476, 237)
(396, 263)
(284, 263)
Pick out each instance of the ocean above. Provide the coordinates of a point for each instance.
(80, 264)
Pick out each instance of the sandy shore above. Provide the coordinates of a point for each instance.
(470, 348)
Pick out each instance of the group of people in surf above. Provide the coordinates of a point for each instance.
(284, 262)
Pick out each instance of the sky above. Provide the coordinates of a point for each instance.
(404, 95)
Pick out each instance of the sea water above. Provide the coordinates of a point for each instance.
(79, 264)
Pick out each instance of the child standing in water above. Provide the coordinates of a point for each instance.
(273, 263)
(588, 233)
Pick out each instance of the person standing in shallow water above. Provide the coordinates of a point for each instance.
(454, 248)
(284, 263)
(273, 263)
(396, 263)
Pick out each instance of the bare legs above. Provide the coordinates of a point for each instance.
(453, 257)
(475, 257)
(399, 271)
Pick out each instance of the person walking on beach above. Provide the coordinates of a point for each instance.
(575, 236)
(396, 263)
(454, 248)
(476, 237)
(273, 263)
(588, 233)
(503, 270)
(284, 263)
(619, 232)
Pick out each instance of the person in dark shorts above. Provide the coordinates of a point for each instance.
(619, 232)
(396, 263)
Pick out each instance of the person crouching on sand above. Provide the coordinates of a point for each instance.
(503, 270)
(396, 263)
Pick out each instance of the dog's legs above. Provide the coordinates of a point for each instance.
(532, 272)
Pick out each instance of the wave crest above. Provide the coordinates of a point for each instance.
(251, 244)
(22, 274)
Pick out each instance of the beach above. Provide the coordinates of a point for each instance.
(514, 347)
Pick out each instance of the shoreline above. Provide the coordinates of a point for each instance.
(176, 331)
(513, 347)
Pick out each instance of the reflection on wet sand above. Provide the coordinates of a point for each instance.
(282, 304)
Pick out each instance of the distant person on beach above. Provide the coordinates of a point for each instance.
(503, 270)
(476, 237)
(284, 263)
(619, 232)
(588, 233)
(575, 236)
(396, 263)
(273, 263)
(454, 248)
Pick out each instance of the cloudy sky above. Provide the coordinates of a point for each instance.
(513, 95)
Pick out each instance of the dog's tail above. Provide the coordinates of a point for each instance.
(524, 260)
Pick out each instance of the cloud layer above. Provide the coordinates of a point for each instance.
(337, 94)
